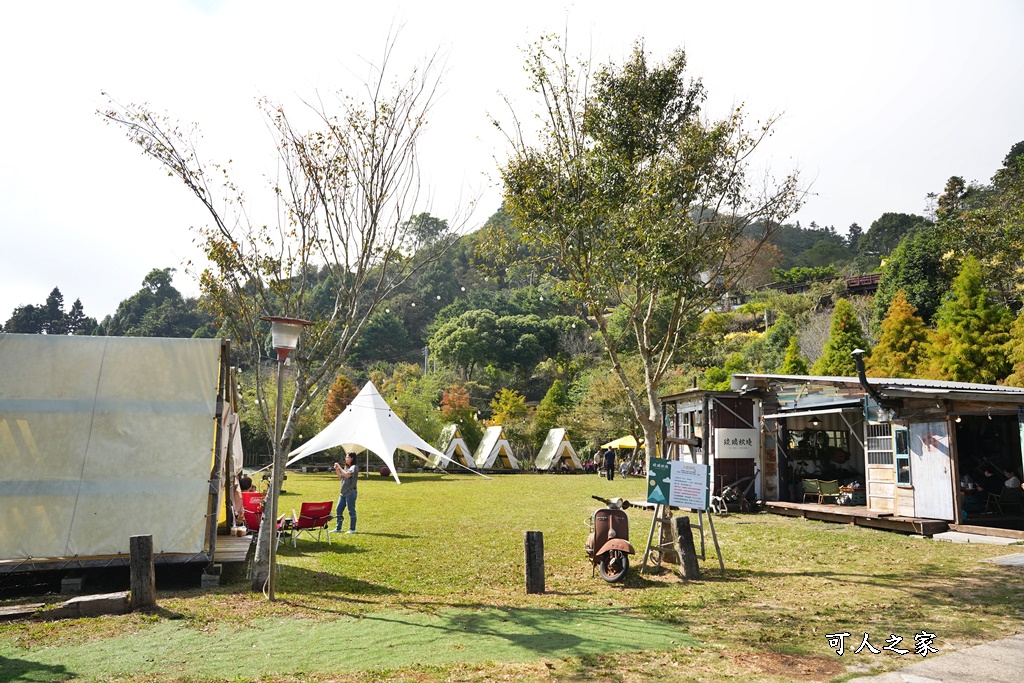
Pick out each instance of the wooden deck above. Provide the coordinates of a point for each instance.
(858, 516)
(230, 549)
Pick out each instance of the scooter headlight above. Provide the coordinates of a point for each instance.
(611, 533)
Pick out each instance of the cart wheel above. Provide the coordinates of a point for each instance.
(614, 566)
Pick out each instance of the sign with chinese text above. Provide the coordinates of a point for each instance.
(737, 443)
(679, 484)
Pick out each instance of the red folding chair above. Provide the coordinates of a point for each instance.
(252, 510)
(313, 517)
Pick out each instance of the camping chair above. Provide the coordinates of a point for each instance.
(828, 489)
(252, 511)
(811, 489)
(1010, 497)
(312, 517)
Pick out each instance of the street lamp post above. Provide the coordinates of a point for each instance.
(284, 334)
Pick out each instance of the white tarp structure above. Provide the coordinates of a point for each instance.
(556, 450)
(494, 451)
(368, 423)
(454, 446)
(104, 438)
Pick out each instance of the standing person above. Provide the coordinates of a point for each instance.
(349, 476)
(609, 464)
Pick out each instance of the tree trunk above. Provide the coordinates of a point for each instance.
(682, 539)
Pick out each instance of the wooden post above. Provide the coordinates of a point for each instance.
(534, 562)
(143, 573)
(683, 542)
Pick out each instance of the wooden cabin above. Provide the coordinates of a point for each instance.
(914, 446)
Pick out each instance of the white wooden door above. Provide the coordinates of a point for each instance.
(931, 470)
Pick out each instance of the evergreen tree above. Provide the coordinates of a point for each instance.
(549, 411)
(915, 266)
(903, 344)
(1015, 353)
(53, 313)
(969, 342)
(78, 322)
(793, 363)
(339, 396)
(776, 343)
(156, 310)
(26, 319)
(720, 378)
(50, 318)
(844, 336)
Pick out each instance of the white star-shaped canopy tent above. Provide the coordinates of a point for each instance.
(368, 423)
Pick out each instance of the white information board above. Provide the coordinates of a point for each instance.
(737, 443)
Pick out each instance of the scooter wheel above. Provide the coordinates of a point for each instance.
(613, 566)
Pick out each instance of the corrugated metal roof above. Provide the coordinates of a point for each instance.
(896, 384)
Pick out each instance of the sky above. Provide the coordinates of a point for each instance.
(879, 104)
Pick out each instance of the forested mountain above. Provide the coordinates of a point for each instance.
(611, 273)
(508, 336)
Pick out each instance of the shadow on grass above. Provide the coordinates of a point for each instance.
(922, 588)
(13, 669)
(306, 548)
(541, 632)
(297, 581)
(383, 535)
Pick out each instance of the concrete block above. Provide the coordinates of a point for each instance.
(90, 606)
(72, 585)
(15, 612)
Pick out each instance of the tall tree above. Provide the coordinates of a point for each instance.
(902, 345)
(969, 342)
(853, 235)
(77, 321)
(346, 192)
(917, 268)
(27, 319)
(987, 222)
(54, 317)
(634, 199)
(340, 394)
(548, 412)
(456, 407)
(887, 231)
(845, 335)
(50, 318)
(383, 338)
(156, 310)
(1015, 352)
(509, 410)
(793, 363)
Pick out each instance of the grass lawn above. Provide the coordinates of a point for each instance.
(432, 589)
